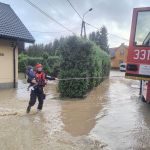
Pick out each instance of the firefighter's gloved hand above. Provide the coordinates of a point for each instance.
(30, 89)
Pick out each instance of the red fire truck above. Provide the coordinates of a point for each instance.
(138, 59)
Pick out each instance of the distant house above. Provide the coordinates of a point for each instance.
(12, 34)
(118, 55)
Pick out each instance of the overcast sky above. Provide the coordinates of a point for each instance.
(114, 14)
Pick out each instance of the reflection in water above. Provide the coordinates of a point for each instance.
(142, 131)
(79, 117)
(122, 121)
(111, 113)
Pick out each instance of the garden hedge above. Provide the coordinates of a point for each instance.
(81, 58)
(51, 63)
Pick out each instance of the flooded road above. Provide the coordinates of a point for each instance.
(111, 117)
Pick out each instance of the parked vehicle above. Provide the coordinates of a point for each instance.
(138, 59)
(122, 67)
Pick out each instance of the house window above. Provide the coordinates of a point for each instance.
(121, 52)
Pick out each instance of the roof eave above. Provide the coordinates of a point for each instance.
(26, 40)
(17, 39)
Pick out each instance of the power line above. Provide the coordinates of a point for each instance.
(119, 37)
(83, 29)
(74, 9)
(93, 25)
(48, 16)
(108, 33)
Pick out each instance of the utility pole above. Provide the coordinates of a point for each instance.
(83, 28)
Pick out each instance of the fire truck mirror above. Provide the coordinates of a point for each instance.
(132, 67)
(142, 35)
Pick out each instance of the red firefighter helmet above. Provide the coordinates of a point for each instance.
(38, 66)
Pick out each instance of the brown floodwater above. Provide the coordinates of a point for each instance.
(110, 117)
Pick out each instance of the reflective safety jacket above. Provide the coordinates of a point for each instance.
(40, 78)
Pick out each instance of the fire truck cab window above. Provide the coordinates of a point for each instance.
(142, 35)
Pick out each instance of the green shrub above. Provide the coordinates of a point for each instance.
(81, 58)
(51, 63)
(22, 62)
(26, 61)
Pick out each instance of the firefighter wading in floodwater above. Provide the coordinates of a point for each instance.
(37, 83)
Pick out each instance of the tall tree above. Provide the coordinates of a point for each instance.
(92, 36)
(35, 50)
(100, 38)
(48, 48)
(103, 39)
(97, 38)
(55, 46)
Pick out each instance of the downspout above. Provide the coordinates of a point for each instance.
(14, 65)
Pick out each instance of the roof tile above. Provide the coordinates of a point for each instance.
(11, 26)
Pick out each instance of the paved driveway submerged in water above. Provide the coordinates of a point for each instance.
(124, 121)
(111, 117)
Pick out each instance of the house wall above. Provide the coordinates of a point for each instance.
(119, 56)
(6, 64)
